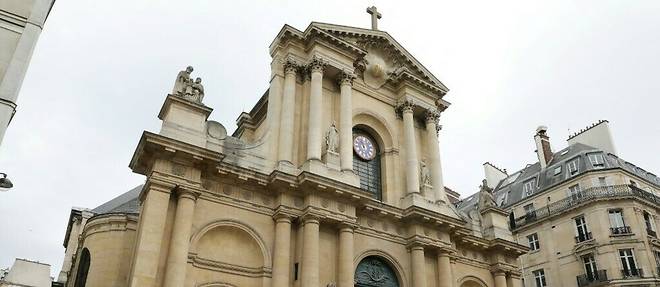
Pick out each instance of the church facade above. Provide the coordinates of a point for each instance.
(334, 178)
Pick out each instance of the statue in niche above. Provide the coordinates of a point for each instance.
(486, 195)
(332, 139)
(185, 87)
(425, 176)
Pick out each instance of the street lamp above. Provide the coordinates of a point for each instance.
(5, 183)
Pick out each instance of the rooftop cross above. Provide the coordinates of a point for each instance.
(374, 17)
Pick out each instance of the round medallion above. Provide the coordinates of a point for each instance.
(364, 148)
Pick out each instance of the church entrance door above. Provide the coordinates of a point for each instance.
(375, 272)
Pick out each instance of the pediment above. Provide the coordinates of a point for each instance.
(377, 50)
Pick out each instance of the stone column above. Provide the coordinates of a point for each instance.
(282, 251)
(444, 270)
(433, 146)
(514, 281)
(418, 266)
(346, 121)
(274, 109)
(288, 104)
(500, 278)
(152, 222)
(177, 259)
(310, 253)
(412, 163)
(314, 134)
(346, 268)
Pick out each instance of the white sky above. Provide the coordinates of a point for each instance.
(101, 70)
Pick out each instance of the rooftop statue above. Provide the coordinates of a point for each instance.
(185, 87)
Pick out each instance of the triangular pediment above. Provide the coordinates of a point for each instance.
(404, 64)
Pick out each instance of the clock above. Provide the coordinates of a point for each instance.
(364, 148)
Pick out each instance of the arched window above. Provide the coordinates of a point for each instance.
(366, 163)
(372, 271)
(83, 268)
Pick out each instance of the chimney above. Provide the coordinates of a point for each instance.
(543, 150)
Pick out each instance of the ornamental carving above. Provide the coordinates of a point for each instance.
(317, 65)
(346, 78)
(404, 107)
(372, 271)
(432, 116)
(290, 65)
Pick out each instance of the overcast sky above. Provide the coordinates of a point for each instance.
(101, 70)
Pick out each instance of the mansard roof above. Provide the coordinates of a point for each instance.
(358, 40)
(509, 191)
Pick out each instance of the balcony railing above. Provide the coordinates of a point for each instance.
(589, 194)
(632, 273)
(651, 233)
(583, 237)
(621, 230)
(595, 279)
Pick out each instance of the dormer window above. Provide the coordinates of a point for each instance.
(573, 166)
(528, 187)
(597, 159)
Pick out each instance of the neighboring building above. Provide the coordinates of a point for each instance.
(333, 179)
(26, 273)
(21, 22)
(588, 216)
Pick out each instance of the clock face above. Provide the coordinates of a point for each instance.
(364, 148)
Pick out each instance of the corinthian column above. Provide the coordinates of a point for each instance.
(418, 266)
(316, 68)
(310, 254)
(412, 164)
(345, 270)
(433, 146)
(288, 102)
(282, 251)
(346, 121)
(175, 273)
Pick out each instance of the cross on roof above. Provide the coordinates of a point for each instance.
(374, 17)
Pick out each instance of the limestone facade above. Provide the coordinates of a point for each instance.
(272, 205)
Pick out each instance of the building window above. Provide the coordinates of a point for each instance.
(368, 170)
(83, 268)
(617, 225)
(501, 200)
(557, 170)
(648, 221)
(533, 241)
(574, 191)
(597, 159)
(582, 232)
(572, 166)
(539, 278)
(590, 267)
(628, 264)
(530, 212)
(528, 187)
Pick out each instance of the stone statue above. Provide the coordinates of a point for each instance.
(183, 80)
(486, 196)
(197, 90)
(425, 176)
(332, 139)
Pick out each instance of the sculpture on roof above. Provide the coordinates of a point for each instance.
(486, 196)
(185, 87)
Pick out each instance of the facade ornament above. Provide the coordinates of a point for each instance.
(405, 106)
(346, 77)
(186, 88)
(486, 196)
(424, 174)
(332, 139)
(290, 65)
(317, 65)
(360, 65)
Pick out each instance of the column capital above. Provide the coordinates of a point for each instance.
(347, 227)
(290, 65)
(346, 78)
(282, 217)
(405, 106)
(310, 218)
(432, 116)
(317, 65)
(183, 192)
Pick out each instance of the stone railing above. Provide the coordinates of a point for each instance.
(589, 194)
(591, 280)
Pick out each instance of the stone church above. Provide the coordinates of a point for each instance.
(334, 178)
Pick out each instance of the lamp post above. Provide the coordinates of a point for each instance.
(5, 183)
